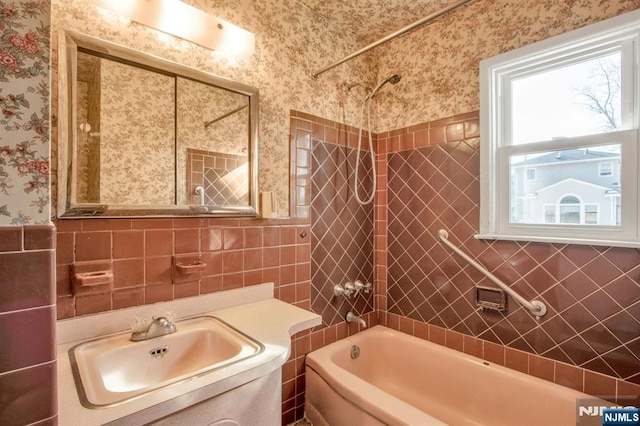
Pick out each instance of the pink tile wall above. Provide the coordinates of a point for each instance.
(593, 293)
(308, 131)
(27, 325)
(237, 252)
(450, 132)
(341, 229)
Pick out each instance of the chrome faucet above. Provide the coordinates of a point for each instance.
(351, 317)
(160, 326)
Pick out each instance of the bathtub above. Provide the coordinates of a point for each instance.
(399, 379)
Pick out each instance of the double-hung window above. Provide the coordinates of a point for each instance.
(559, 138)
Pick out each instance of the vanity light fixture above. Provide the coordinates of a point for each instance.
(187, 22)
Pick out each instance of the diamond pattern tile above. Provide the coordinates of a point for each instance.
(341, 230)
(224, 177)
(225, 187)
(593, 293)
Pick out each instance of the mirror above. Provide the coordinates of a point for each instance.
(142, 136)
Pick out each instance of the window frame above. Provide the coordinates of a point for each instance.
(620, 33)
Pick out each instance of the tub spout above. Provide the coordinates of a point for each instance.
(351, 317)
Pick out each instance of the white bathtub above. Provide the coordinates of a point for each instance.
(402, 380)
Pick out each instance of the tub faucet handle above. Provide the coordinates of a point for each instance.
(349, 289)
(346, 290)
(360, 286)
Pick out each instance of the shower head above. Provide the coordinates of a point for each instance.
(393, 79)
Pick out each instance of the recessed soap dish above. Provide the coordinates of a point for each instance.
(91, 277)
(492, 299)
(187, 267)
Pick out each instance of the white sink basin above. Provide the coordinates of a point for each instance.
(113, 369)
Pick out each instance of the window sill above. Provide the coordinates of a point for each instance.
(557, 240)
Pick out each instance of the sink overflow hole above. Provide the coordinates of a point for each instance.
(159, 352)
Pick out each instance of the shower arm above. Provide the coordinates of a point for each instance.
(391, 36)
(536, 307)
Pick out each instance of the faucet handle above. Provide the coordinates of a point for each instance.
(346, 290)
(360, 286)
(170, 316)
(139, 325)
(349, 289)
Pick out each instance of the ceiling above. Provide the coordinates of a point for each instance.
(371, 20)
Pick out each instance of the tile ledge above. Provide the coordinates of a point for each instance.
(88, 326)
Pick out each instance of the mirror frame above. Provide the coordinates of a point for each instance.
(67, 207)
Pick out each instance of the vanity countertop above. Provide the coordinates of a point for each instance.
(251, 310)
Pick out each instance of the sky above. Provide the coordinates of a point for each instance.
(566, 115)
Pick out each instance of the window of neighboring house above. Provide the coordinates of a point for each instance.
(605, 169)
(551, 115)
(591, 214)
(531, 174)
(550, 213)
(571, 210)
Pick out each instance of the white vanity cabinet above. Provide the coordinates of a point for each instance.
(256, 403)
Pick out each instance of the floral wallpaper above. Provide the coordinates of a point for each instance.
(198, 104)
(291, 41)
(375, 18)
(136, 135)
(24, 100)
(439, 62)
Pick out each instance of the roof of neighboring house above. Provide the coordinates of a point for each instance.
(575, 182)
(568, 155)
(609, 190)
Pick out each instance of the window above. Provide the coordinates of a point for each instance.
(605, 169)
(591, 214)
(550, 214)
(571, 210)
(559, 122)
(531, 174)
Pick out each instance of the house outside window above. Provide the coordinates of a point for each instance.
(572, 171)
(559, 142)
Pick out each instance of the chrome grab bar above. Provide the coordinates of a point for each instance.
(536, 307)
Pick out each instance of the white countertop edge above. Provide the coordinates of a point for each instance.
(269, 321)
(103, 323)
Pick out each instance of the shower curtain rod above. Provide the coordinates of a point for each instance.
(385, 39)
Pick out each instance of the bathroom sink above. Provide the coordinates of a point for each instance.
(113, 369)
